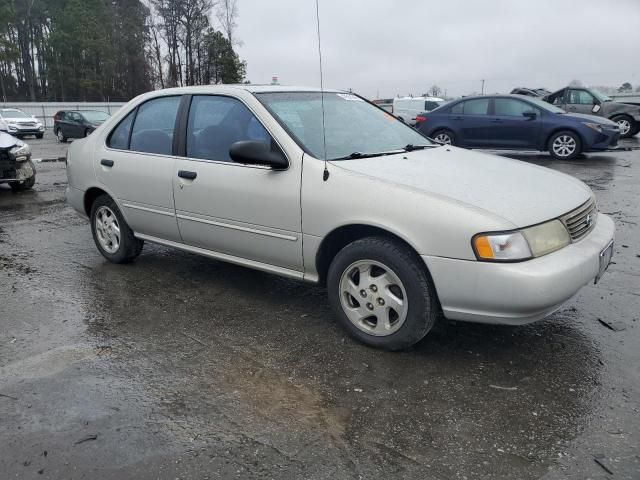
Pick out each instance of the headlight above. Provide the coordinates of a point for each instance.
(521, 244)
(594, 126)
(20, 152)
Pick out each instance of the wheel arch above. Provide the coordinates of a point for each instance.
(341, 236)
(563, 129)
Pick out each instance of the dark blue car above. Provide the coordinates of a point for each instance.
(517, 122)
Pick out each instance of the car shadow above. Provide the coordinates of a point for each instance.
(267, 354)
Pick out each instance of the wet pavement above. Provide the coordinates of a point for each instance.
(179, 366)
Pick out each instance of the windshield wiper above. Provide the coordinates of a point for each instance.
(411, 147)
(355, 155)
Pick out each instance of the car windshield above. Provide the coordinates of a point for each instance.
(600, 96)
(14, 114)
(544, 105)
(353, 127)
(95, 116)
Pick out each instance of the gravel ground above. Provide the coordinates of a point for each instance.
(178, 366)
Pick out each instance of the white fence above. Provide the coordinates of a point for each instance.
(44, 111)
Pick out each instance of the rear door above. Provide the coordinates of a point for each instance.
(64, 124)
(244, 211)
(137, 167)
(511, 127)
(472, 122)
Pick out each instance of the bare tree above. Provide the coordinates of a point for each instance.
(575, 83)
(227, 13)
(435, 91)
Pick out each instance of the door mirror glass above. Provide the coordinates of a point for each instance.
(257, 152)
(596, 108)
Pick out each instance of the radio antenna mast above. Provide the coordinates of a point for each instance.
(325, 174)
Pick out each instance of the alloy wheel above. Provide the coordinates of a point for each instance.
(373, 298)
(107, 229)
(564, 146)
(443, 138)
(624, 125)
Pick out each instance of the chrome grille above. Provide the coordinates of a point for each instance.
(582, 220)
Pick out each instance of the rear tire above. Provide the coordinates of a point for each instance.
(382, 293)
(60, 136)
(564, 145)
(111, 234)
(39, 135)
(628, 126)
(444, 136)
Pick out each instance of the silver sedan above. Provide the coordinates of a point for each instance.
(326, 187)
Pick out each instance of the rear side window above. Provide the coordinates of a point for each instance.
(215, 123)
(478, 106)
(154, 125)
(119, 137)
(458, 108)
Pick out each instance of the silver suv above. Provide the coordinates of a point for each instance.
(400, 229)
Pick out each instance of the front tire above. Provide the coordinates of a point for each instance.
(628, 127)
(23, 185)
(111, 234)
(382, 294)
(564, 145)
(39, 135)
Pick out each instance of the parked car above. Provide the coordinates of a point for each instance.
(77, 123)
(531, 92)
(407, 109)
(19, 124)
(517, 122)
(400, 229)
(16, 167)
(592, 102)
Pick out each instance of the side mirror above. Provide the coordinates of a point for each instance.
(530, 115)
(255, 152)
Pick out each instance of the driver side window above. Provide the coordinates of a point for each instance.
(581, 97)
(217, 122)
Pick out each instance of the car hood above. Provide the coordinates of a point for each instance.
(521, 193)
(581, 117)
(8, 141)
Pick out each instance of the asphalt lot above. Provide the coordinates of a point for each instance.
(178, 366)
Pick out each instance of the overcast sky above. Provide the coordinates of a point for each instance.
(385, 47)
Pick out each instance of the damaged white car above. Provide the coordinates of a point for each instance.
(16, 167)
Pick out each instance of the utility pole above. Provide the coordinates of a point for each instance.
(482, 89)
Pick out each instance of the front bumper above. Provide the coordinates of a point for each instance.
(25, 130)
(518, 293)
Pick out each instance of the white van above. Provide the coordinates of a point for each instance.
(407, 108)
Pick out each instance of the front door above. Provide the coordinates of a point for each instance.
(242, 211)
(514, 124)
(580, 101)
(137, 167)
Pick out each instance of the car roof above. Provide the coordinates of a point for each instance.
(253, 88)
(497, 95)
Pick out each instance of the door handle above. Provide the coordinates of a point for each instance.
(458, 118)
(497, 120)
(106, 163)
(187, 174)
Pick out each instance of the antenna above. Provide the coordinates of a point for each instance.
(325, 174)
